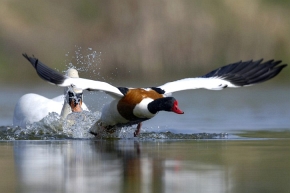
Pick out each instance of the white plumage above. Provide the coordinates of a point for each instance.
(33, 107)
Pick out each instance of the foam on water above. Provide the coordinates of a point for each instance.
(77, 125)
(170, 135)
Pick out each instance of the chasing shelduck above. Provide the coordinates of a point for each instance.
(134, 105)
(33, 107)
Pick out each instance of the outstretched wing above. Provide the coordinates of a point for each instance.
(233, 75)
(58, 79)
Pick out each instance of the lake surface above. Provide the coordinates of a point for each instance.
(235, 140)
(145, 166)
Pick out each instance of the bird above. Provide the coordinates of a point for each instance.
(33, 107)
(131, 106)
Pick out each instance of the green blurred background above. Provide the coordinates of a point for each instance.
(150, 41)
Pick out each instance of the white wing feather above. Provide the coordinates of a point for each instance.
(196, 83)
(233, 75)
(54, 77)
(92, 85)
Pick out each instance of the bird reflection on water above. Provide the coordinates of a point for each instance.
(150, 166)
(87, 166)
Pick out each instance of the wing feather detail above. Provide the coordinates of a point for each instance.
(54, 77)
(233, 75)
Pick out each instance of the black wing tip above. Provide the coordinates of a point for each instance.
(263, 71)
(28, 57)
(32, 60)
(25, 56)
(44, 71)
(266, 71)
(248, 72)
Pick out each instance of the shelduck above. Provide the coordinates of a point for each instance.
(134, 105)
(32, 107)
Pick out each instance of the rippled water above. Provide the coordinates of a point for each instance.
(129, 165)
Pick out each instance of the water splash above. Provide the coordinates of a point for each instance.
(77, 126)
(53, 127)
(179, 136)
(89, 61)
(85, 60)
(120, 133)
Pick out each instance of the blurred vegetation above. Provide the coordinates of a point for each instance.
(146, 40)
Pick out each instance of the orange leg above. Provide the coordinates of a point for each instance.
(137, 131)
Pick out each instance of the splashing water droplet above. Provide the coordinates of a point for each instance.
(53, 127)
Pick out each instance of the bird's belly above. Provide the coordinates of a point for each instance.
(115, 115)
(111, 116)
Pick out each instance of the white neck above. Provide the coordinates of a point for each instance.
(66, 109)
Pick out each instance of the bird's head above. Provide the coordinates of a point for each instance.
(169, 104)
